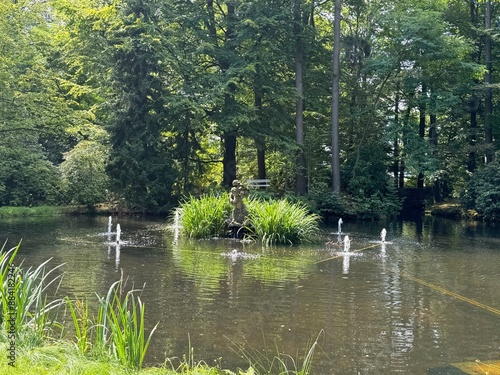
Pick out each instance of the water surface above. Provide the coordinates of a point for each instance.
(392, 308)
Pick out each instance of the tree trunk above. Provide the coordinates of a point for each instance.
(229, 159)
(402, 174)
(395, 163)
(433, 140)
(261, 161)
(406, 121)
(230, 135)
(474, 103)
(301, 177)
(488, 99)
(421, 130)
(471, 162)
(335, 99)
(260, 143)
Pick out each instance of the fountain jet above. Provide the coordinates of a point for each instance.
(383, 234)
(118, 233)
(347, 244)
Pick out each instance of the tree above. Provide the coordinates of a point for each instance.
(27, 178)
(482, 192)
(139, 156)
(84, 175)
(33, 111)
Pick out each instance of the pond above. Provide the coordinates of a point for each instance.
(425, 298)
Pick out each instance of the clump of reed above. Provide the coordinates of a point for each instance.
(261, 363)
(282, 222)
(272, 221)
(205, 216)
(23, 298)
(118, 330)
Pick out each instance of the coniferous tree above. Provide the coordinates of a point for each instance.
(139, 160)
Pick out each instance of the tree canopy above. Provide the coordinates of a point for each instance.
(155, 100)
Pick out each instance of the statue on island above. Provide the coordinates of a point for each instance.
(239, 214)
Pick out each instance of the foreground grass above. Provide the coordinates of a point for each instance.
(64, 359)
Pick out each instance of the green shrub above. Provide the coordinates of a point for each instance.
(328, 203)
(482, 192)
(27, 178)
(84, 173)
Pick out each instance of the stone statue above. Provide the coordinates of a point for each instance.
(240, 213)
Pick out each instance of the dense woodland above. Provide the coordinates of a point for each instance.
(342, 102)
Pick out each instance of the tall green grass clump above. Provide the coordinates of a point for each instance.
(118, 330)
(127, 329)
(23, 298)
(205, 216)
(282, 222)
(261, 363)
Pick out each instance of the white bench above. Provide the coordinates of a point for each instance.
(258, 184)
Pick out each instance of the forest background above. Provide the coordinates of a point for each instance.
(142, 103)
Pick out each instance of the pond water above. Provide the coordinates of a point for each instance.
(427, 297)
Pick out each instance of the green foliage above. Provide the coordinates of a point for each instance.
(140, 159)
(331, 205)
(63, 358)
(272, 221)
(119, 327)
(84, 173)
(370, 190)
(375, 206)
(23, 298)
(365, 172)
(482, 192)
(79, 312)
(27, 178)
(126, 326)
(205, 216)
(34, 110)
(282, 222)
(178, 84)
(46, 211)
(261, 363)
(327, 202)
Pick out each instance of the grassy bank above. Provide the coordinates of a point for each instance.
(63, 358)
(45, 211)
(48, 211)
